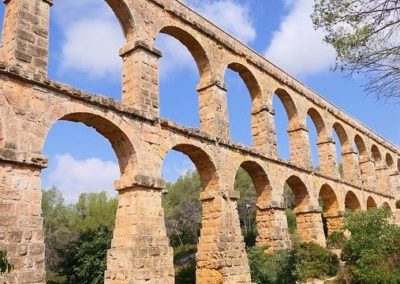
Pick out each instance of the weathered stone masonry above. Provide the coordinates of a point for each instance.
(30, 104)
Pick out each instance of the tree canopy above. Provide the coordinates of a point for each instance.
(365, 34)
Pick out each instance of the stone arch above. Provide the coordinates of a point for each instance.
(260, 181)
(124, 16)
(371, 203)
(289, 105)
(249, 79)
(343, 137)
(318, 121)
(331, 218)
(320, 143)
(389, 161)
(361, 147)
(300, 191)
(351, 202)
(386, 206)
(119, 140)
(203, 163)
(195, 48)
(330, 201)
(376, 154)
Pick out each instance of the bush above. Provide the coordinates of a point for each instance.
(305, 261)
(372, 254)
(5, 266)
(185, 264)
(278, 267)
(335, 240)
(314, 261)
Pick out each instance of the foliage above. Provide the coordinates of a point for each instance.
(84, 260)
(66, 224)
(365, 36)
(335, 240)
(183, 210)
(303, 262)
(372, 254)
(185, 264)
(314, 261)
(278, 267)
(247, 206)
(5, 266)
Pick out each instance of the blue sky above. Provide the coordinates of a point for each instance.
(86, 37)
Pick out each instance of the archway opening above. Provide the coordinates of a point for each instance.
(183, 67)
(341, 142)
(189, 172)
(351, 202)
(255, 194)
(285, 116)
(242, 94)
(330, 210)
(316, 127)
(85, 40)
(386, 206)
(371, 203)
(389, 161)
(79, 202)
(296, 200)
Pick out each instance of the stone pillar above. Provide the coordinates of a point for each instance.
(213, 110)
(272, 228)
(221, 256)
(327, 157)
(368, 173)
(140, 250)
(309, 226)
(334, 222)
(351, 170)
(25, 41)
(140, 78)
(300, 146)
(395, 183)
(382, 180)
(263, 131)
(21, 222)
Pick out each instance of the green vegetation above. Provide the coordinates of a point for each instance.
(305, 261)
(5, 266)
(372, 254)
(79, 235)
(364, 35)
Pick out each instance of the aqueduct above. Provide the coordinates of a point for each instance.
(30, 104)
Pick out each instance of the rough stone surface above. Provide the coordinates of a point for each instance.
(30, 104)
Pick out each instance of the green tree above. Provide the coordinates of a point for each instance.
(365, 35)
(84, 260)
(183, 209)
(372, 254)
(246, 206)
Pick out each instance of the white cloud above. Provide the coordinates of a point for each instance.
(297, 47)
(91, 38)
(74, 177)
(235, 18)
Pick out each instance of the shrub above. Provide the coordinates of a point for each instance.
(305, 261)
(278, 267)
(372, 253)
(185, 264)
(335, 240)
(5, 266)
(314, 261)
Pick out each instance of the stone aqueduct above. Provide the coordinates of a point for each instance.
(30, 104)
